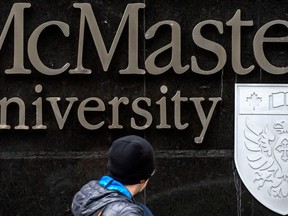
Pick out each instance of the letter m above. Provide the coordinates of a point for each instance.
(131, 14)
(16, 12)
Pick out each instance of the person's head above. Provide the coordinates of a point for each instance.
(131, 160)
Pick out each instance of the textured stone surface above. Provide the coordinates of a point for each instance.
(40, 171)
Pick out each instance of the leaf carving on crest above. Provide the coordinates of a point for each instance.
(254, 100)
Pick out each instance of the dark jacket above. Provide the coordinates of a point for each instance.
(93, 197)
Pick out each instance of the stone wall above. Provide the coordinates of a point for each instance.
(42, 167)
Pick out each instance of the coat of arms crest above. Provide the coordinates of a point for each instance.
(261, 142)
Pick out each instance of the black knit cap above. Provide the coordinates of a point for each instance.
(130, 160)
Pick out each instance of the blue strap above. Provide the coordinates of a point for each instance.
(146, 210)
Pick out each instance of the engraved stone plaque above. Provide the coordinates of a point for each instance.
(261, 142)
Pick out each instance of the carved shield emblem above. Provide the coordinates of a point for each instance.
(261, 142)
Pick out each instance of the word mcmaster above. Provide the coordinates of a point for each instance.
(131, 19)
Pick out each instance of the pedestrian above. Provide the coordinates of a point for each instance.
(131, 163)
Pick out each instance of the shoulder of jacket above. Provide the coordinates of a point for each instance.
(123, 207)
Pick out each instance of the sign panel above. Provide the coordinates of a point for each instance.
(261, 142)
